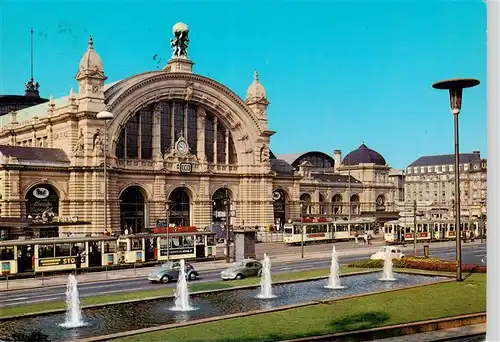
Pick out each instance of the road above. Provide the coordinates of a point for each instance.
(471, 254)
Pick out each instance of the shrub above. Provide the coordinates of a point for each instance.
(421, 264)
(368, 263)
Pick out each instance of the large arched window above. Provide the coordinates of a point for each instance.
(176, 118)
(319, 160)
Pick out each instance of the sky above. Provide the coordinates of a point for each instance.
(337, 73)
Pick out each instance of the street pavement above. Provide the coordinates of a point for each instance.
(29, 291)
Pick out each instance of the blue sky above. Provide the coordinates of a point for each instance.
(337, 73)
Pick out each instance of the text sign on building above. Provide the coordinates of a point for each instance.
(185, 167)
(41, 193)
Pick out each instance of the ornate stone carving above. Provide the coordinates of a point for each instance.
(80, 143)
(97, 144)
(243, 137)
(189, 92)
(180, 41)
(157, 108)
(264, 154)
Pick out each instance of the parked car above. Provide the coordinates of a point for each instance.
(170, 271)
(242, 269)
(396, 252)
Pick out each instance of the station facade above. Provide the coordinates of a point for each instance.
(178, 146)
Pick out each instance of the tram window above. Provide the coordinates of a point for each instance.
(46, 251)
(63, 249)
(77, 247)
(122, 246)
(425, 228)
(136, 244)
(288, 230)
(297, 229)
(163, 243)
(175, 242)
(110, 247)
(210, 240)
(341, 228)
(7, 253)
(188, 241)
(452, 228)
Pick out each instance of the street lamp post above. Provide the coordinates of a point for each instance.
(301, 233)
(415, 227)
(167, 208)
(455, 88)
(105, 116)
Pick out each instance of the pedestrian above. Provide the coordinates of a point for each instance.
(78, 262)
(356, 234)
(365, 239)
(369, 239)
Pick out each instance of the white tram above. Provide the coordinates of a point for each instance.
(326, 230)
(398, 231)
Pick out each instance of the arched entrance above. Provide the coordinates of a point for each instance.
(355, 207)
(280, 204)
(132, 210)
(179, 207)
(337, 204)
(219, 205)
(380, 203)
(42, 205)
(322, 206)
(305, 199)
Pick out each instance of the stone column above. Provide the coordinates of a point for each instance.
(172, 126)
(227, 147)
(215, 140)
(185, 130)
(156, 131)
(200, 142)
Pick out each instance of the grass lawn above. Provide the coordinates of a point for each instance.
(409, 305)
(166, 291)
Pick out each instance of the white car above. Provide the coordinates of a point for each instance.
(396, 252)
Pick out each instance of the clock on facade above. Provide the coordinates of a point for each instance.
(380, 200)
(182, 147)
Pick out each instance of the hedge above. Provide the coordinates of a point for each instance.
(421, 264)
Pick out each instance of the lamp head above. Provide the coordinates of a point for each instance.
(104, 115)
(455, 88)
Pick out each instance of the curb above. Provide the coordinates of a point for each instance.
(197, 293)
(400, 329)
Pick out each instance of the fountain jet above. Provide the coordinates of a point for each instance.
(388, 274)
(334, 280)
(266, 290)
(73, 310)
(182, 292)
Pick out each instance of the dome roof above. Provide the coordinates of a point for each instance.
(90, 62)
(363, 155)
(256, 91)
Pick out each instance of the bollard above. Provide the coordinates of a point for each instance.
(106, 271)
(426, 251)
(42, 280)
(135, 270)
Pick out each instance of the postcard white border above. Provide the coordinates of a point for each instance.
(493, 125)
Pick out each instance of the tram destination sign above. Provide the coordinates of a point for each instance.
(176, 251)
(185, 167)
(58, 261)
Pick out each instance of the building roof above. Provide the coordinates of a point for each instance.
(334, 178)
(40, 110)
(281, 167)
(295, 159)
(446, 159)
(364, 155)
(33, 155)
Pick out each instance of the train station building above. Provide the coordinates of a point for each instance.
(178, 146)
